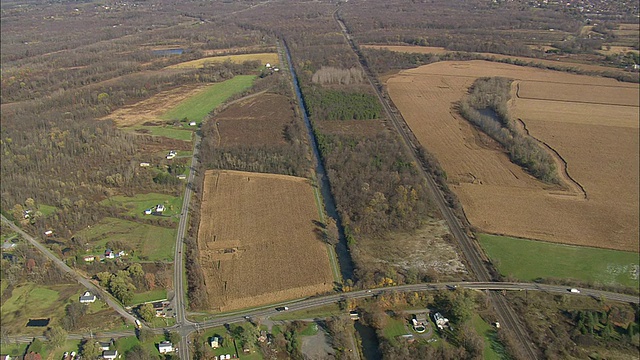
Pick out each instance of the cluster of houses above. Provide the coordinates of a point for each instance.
(156, 209)
(108, 254)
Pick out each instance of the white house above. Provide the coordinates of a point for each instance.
(87, 298)
(109, 254)
(89, 258)
(440, 320)
(215, 342)
(48, 233)
(192, 123)
(160, 208)
(147, 212)
(165, 347)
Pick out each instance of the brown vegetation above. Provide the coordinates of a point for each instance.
(498, 197)
(257, 240)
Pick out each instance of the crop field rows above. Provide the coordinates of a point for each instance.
(599, 143)
(257, 240)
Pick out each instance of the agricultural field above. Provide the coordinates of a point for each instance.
(163, 114)
(263, 58)
(147, 242)
(595, 145)
(254, 121)
(528, 260)
(258, 242)
(558, 63)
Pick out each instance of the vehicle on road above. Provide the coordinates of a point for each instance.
(282, 308)
(574, 290)
(138, 324)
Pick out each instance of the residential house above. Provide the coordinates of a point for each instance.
(109, 254)
(263, 336)
(440, 320)
(5, 357)
(48, 233)
(419, 323)
(160, 208)
(87, 298)
(89, 258)
(110, 354)
(147, 212)
(215, 342)
(165, 347)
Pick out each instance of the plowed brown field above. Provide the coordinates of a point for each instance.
(257, 240)
(575, 116)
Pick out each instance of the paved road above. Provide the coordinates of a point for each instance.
(178, 269)
(59, 263)
(469, 247)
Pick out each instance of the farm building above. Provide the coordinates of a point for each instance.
(165, 347)
(87, 298)
(145, 164)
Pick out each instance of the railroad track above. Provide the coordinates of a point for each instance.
(470, 250)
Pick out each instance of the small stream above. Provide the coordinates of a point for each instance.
(342, 252)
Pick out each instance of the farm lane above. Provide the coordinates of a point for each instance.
(236, 317)
(470, 248)
(59, 263)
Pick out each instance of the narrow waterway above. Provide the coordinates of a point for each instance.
(369, 341)
(342, 252)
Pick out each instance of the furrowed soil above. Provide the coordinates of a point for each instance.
(255, 121)
(258, 240)
(592, 134)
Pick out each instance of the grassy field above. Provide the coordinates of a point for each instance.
(158, 294)
(528, 260)
(127, 343)
(31, 301)
(195, 108)
(13, 349)
(137, 204)
(394, 328)
(493, 350)
(47, 210)
(264, 58)
(166, 131)
(152, 243)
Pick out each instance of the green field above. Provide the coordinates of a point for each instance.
(127, 343)
(493, 350)
(167, 131)
(13, 349)
(197, 107)
(149, 242)
(394, 328)
(47, 210)
(227, 343)
(153, 295)
(136, 205)
(529, 260)
(31, 301)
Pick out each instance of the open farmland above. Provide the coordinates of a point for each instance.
(263, 58)
(255, 121)
(560, 62)
(598, 142)
(257, 240)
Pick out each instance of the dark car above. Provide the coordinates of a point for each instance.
(282, 308)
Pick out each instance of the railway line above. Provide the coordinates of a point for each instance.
(470, 250)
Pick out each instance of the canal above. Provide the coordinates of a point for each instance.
(342, 252)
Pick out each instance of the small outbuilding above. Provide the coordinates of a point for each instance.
(110, 354)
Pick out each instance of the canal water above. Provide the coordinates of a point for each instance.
(369, 340)
(342, 252)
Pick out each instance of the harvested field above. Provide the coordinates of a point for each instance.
(264, 58)
(564, 63)
(255, 121)
(598, 142)
(257, 240)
